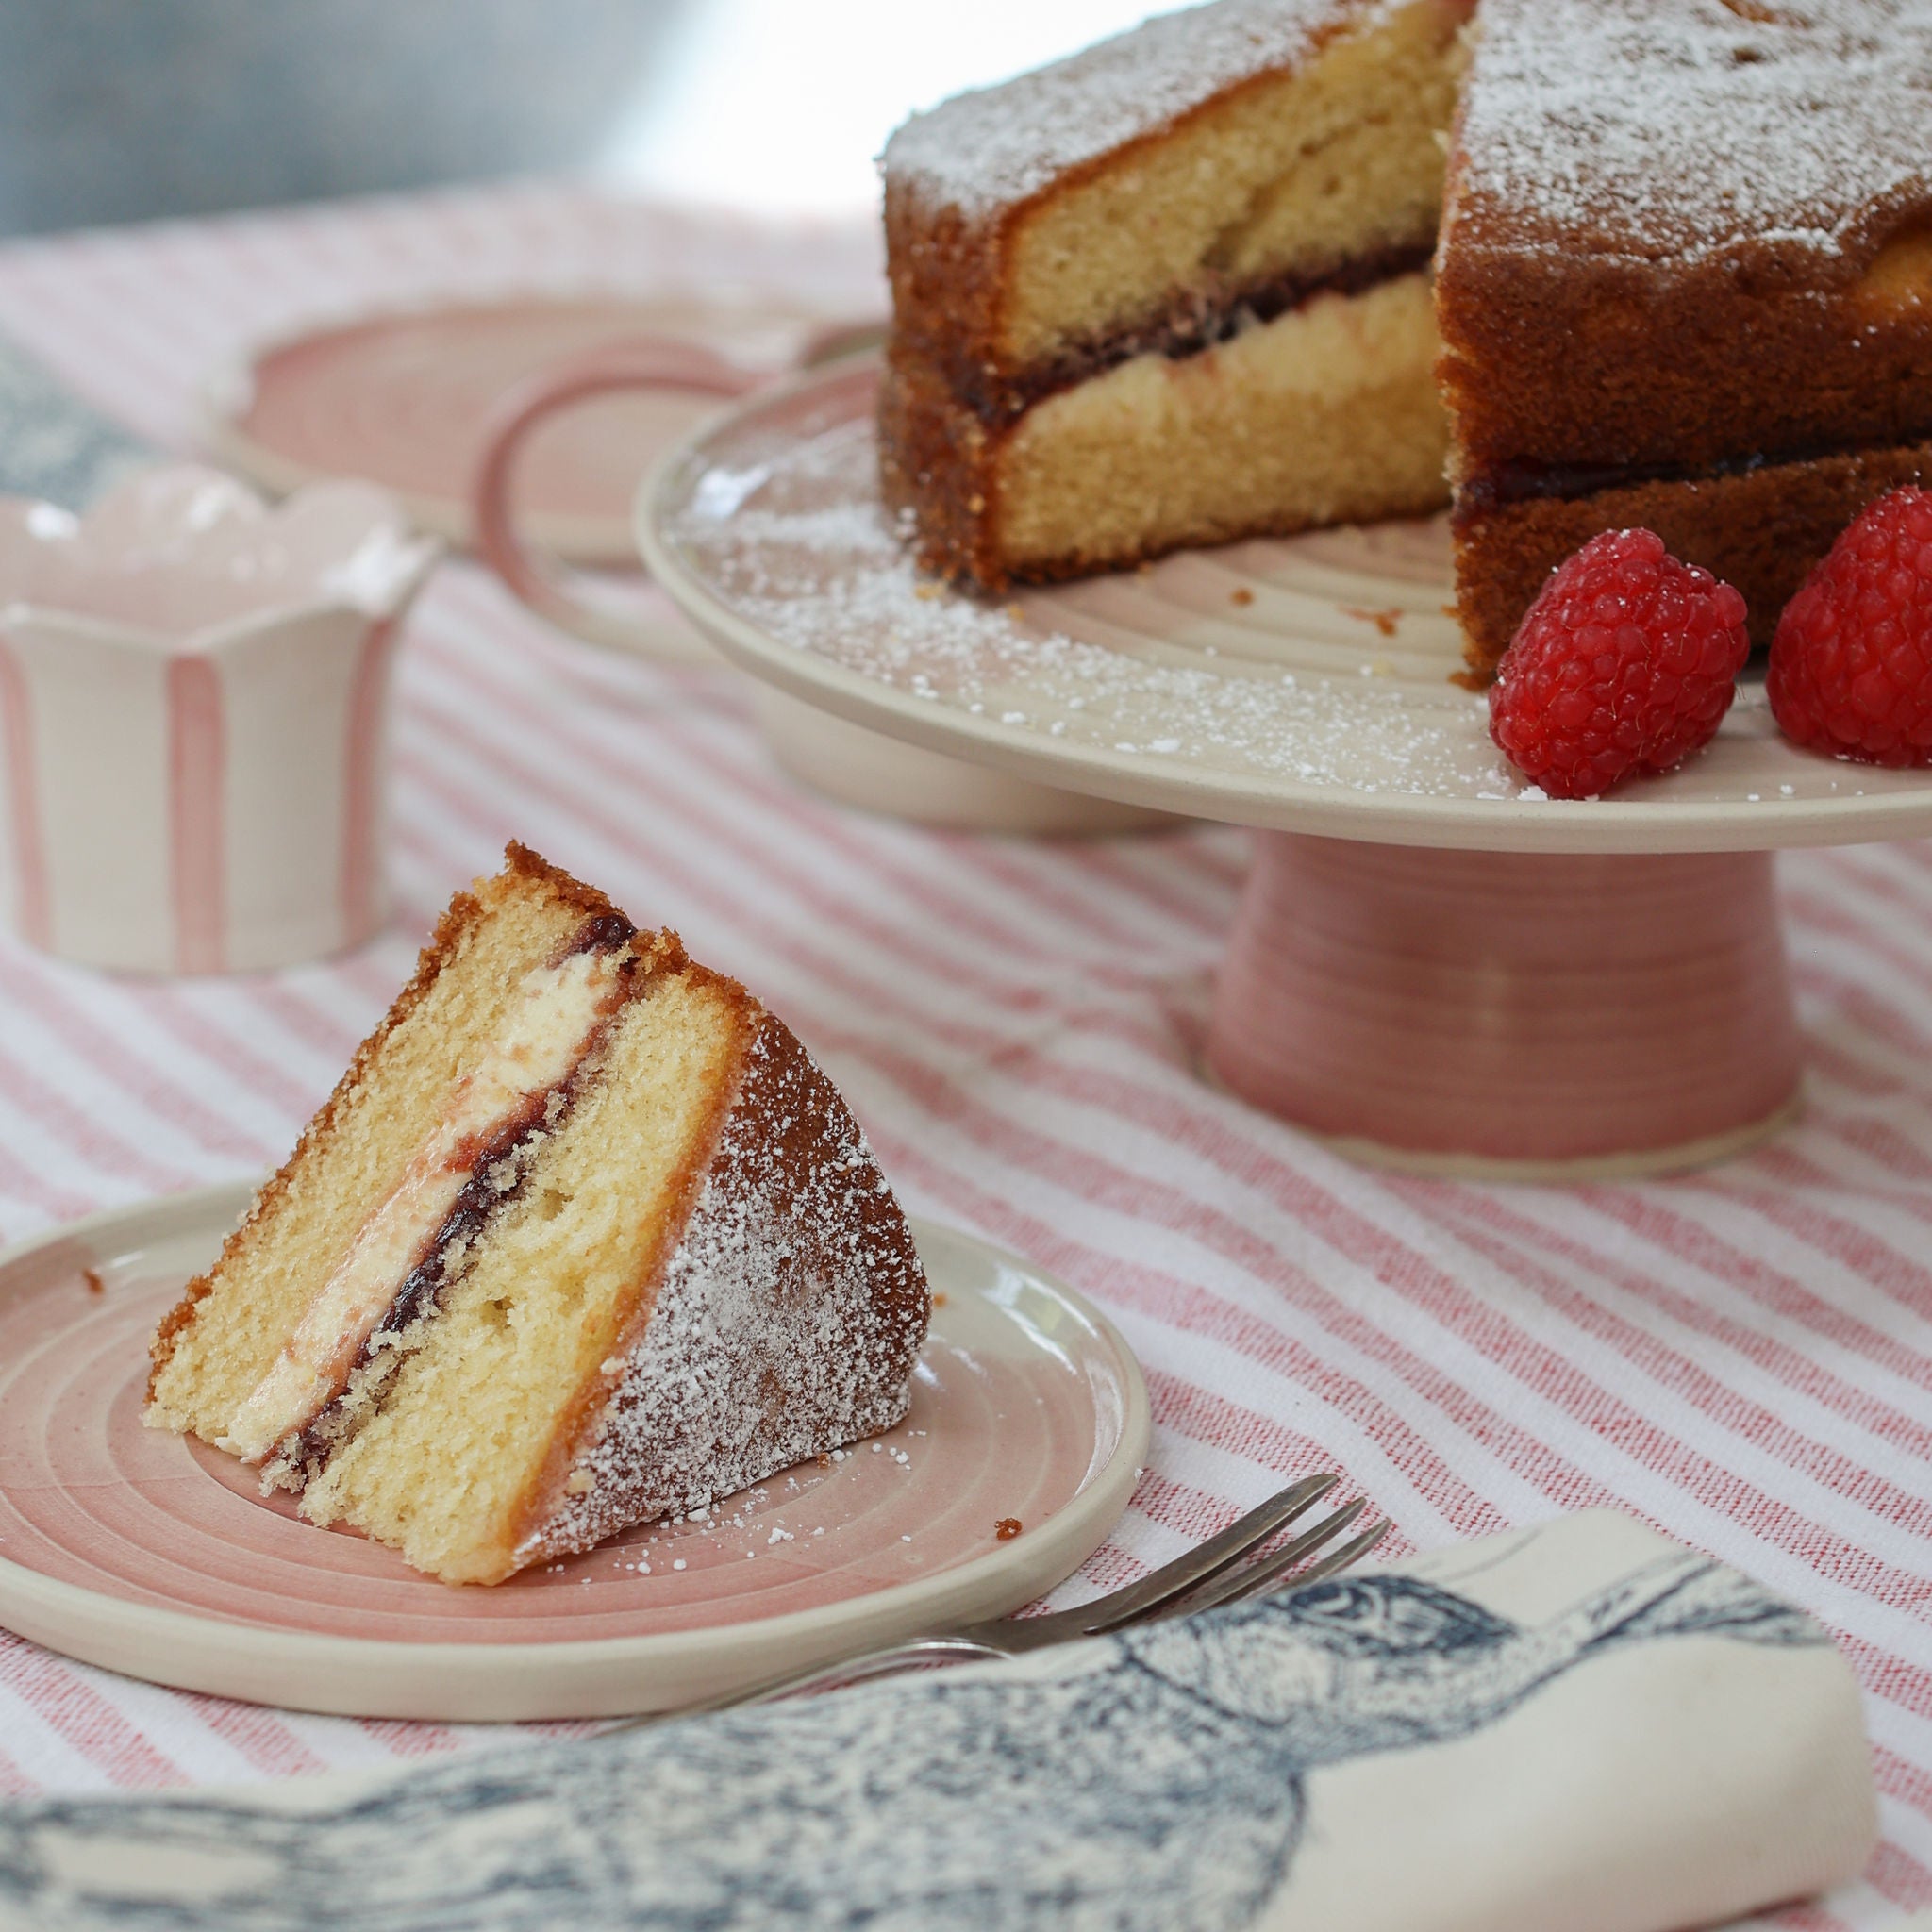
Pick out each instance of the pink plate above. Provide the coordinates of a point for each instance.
(127, 1547)
(402, 398)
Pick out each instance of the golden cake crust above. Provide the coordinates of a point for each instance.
(734, 1369)
(1684, 280)
(1761, 530)
(1687, 233)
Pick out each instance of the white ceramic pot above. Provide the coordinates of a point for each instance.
(193, 719)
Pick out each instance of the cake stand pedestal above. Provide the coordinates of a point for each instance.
(1431, 965)
(1517, 1014)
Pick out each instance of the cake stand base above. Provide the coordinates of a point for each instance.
(1511, 1015)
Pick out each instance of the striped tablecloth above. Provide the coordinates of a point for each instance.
(1742, 1358)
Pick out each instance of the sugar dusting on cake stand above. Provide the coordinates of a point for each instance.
(1433, 964)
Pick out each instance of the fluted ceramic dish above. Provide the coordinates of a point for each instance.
(193, 706)
(131, 1548)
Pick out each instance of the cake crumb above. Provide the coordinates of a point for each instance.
(1242, 595)
(938, 1299)
(95, 1284)
(1384, 620)
(1006, 1529)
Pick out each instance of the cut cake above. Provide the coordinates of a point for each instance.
(1177, 288)
(582, 1237)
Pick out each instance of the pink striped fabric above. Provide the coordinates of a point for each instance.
(1742, 1358)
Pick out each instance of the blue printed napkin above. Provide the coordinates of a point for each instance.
(1580, 1726)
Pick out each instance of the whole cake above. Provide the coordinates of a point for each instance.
(582, 1237)
(1178, 288)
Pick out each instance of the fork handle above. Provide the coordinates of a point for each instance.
(851, 1670)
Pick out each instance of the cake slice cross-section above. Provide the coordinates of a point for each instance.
(1172, 290)
(582, 1238)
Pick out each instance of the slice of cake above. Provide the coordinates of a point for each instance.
(1684, 281)
(582, 1237)
(1171, 291)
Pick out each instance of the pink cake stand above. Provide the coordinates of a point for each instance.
(1432, 965)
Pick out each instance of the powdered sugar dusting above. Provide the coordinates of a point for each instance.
(1303, 682)
(814, 559)
(980, 150)
(1681, 129)
(787, 1323)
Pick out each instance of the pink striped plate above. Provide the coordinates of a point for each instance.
(401, 397)
(127, 1547)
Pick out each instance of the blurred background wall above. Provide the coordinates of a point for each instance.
(116, 111)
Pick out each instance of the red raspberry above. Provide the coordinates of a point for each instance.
(1851, 665)
(1626, 662)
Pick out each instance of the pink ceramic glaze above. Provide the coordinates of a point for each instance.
(404, 398)
(650, 366)
(1509, 1011)
(132, 1547)
(193, 704)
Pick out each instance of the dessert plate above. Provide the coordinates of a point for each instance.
(1305, 684)
(401, 399)
(130, 1548)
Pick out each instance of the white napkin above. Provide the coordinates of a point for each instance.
(1580, 1726)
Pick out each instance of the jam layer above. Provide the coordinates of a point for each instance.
(1530, 482)
(1194, 323)
(465, 1168)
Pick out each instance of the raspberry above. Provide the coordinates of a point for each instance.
(1851, 665)
(1626, 662)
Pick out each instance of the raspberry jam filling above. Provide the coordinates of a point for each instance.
(1194, 323)
(466, 1165)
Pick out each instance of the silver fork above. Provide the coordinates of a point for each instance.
(1214, 1572)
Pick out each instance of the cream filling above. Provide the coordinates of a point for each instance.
(549, 1028)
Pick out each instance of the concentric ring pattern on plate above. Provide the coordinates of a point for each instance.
(1304, 683)
(131, 1547)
